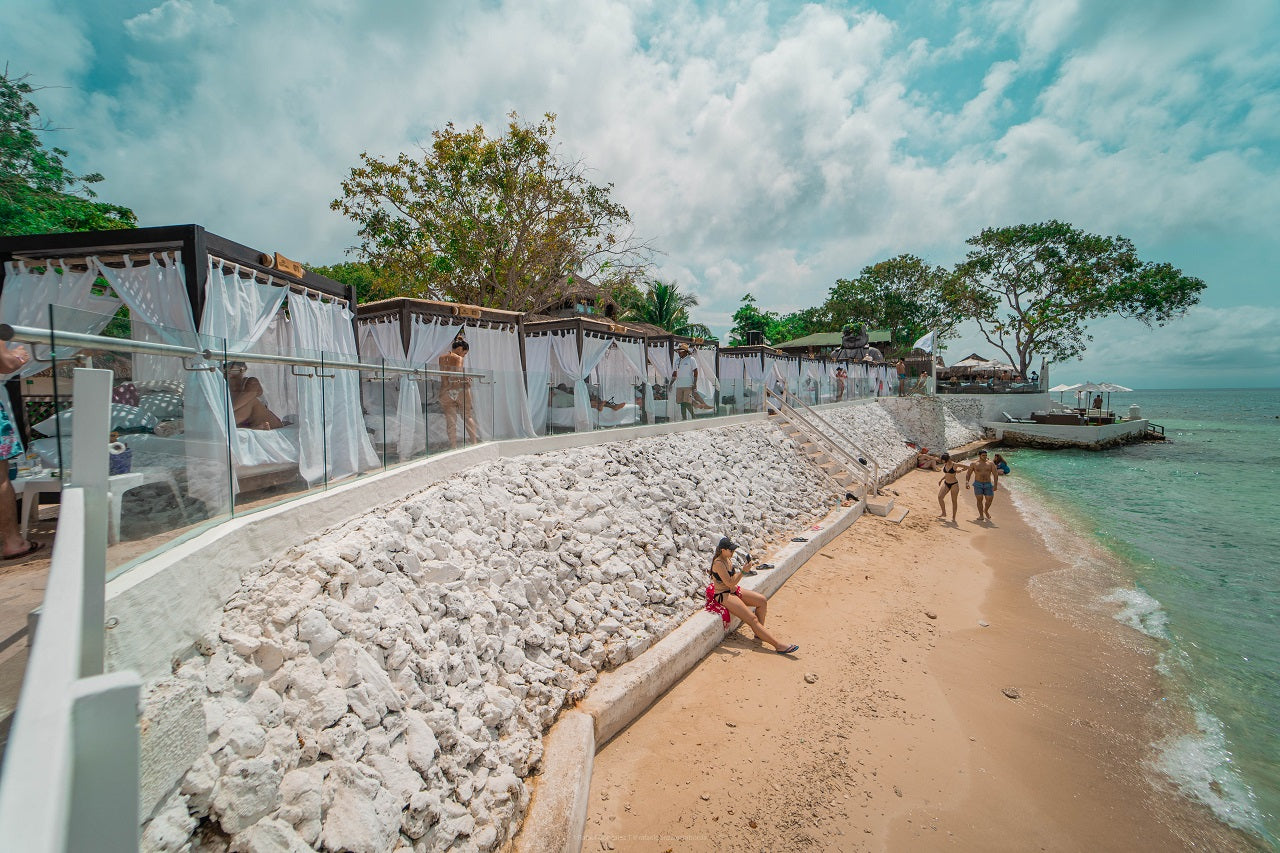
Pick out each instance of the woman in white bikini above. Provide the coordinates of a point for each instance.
(725, 597)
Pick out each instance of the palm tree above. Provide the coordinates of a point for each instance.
(663, 305)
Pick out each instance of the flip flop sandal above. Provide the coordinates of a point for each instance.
(799, 539)
(749, 573)
(789, 650)
(764, 566)
(31, 548)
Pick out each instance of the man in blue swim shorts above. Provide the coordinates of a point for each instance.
(986, 479)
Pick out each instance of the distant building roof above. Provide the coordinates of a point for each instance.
(831, 339)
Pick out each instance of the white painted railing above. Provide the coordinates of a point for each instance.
(70, 778)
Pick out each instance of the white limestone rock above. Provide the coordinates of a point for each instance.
(269, 836)
(361, 816)
(247, 791)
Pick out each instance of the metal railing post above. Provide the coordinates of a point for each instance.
(90, 435)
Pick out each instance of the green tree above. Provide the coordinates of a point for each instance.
(38, 193)
(797, 324)
(775, 327)
(501, 222)
(661, 304)
(903, 295)
(749, 318)
(369, 282)
(1033, 288)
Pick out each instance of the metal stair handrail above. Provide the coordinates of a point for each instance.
(872, 467)
(856, 468)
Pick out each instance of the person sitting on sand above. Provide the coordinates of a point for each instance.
(927, 460)
(949, 485)
(1000, 464)
(725, 597)
(986, 480)
(249, 410)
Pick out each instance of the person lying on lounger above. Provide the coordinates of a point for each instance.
(249, 410)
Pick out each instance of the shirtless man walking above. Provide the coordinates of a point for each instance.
(986, 479)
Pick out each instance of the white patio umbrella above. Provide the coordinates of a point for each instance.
(1061, 389)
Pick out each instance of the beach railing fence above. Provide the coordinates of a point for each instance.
(70, 776)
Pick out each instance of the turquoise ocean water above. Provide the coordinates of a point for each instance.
(1193, 525)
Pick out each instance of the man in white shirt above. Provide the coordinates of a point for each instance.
(686, 379)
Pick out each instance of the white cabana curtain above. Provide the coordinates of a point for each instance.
(502, 409)
(565, 361)
(28, 293)
(753, 375)
(237, 312)
(332, 441)
(537, 358)
(381, 340)
(594, 349)
(621, 367)
(159, 312)
(660, 357)
(279, 385)
(708, 382)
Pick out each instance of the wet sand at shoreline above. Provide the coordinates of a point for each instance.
(903, 735)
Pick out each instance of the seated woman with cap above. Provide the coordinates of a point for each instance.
(726, 598)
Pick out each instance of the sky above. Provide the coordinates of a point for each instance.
(764, 148)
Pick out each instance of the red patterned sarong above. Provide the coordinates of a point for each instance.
(715, 605)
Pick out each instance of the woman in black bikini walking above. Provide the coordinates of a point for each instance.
(950, 483)
(725, 598)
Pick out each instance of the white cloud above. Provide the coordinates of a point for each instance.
(762, 151)
(174, 20)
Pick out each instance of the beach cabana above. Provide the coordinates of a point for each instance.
(405, 412)
(235, 312)
(585, 374)
(742, 372)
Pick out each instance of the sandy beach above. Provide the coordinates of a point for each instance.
(933, 704)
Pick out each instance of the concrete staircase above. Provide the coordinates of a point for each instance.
(848, 469)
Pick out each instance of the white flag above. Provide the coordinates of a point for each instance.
(925, 343)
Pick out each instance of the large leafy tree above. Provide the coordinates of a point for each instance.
(1033, 288)
(38, 193)
(903, 295)
(504, 222)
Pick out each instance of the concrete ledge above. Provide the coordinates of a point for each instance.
(620, 696)
(557, 814)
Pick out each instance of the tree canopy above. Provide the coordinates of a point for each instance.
(38, 193)
(903, 295)
(1033, 288)
(776, 328)
(503, 222)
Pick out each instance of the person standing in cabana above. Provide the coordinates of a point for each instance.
(455, 394)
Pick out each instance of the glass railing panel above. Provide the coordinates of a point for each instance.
(153, 477)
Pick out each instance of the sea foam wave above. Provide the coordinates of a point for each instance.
(1200, 765)
(1140, 611)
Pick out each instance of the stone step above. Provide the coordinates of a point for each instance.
(881, 507)
(898, 514)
